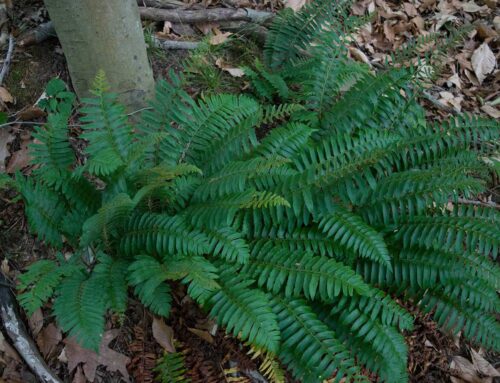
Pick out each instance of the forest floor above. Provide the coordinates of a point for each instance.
(467, 83)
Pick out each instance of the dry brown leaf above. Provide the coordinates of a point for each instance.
(5, 95)
(207, 28)
(358, 55)
(389, 31)
(219, 37)
(450, 99)
(491, 111)
(30, 113)
(419, 23)
(20, 158)
(4, 266)
(167, 26)
(112, 360)
(410, 9)
(205, 335)
(6, 348)
(295, 4)
(6, 137)
(483, 366)
(472, 7)
(483, 62)
(235, 72)
(48, 339)
(35, 322)
(496, 23)
(427, 4)
(79, 376)
(442, 19)
(454, 80)
(464, 370)
(485, 32)
(360, 8)
(163, 334)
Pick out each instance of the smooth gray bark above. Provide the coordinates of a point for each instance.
(106, 35)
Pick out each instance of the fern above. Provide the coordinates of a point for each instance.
(300, 227)
(302, 273)
(246, 312)
(171, 369)
(79, 310)
(106, 129)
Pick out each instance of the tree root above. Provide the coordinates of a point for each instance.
(18, 334)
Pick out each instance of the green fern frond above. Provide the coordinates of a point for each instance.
(161, 234)
(171, 368)
(292, 32)
(308, 344)
(266, 85)
(235, 145)
(111, 272)
(272, 113)
(210, 120)
(377, 305)
(44, 208)
(108, 220)
(298, 273)
(106, 128)
(350, 231)
(148, 277)
(475, 228)
(39, 282)
(229, 244)
(452, 315)
(245, 312)
(390, 367)
(269, 365)
(79, 310)
(284, 141)
(409, 193)
(384, 340)
(234, 177)
(264, 199)
(53, 150)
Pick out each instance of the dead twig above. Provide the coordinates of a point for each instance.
(8, 59)
(464, 201)
(18, 334)
(205, 15)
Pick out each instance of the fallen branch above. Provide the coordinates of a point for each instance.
(166, 4)
(478, 203)
(438, 104)
(174, 44)
(205, 15)
(37, 35)
(16, 331)
(8, 59)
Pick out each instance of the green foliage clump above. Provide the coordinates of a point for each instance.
(297, 240)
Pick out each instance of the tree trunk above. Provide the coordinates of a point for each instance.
(106, 35)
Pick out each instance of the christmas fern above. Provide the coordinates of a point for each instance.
(298, 242)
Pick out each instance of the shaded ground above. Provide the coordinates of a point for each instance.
(210, 355)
